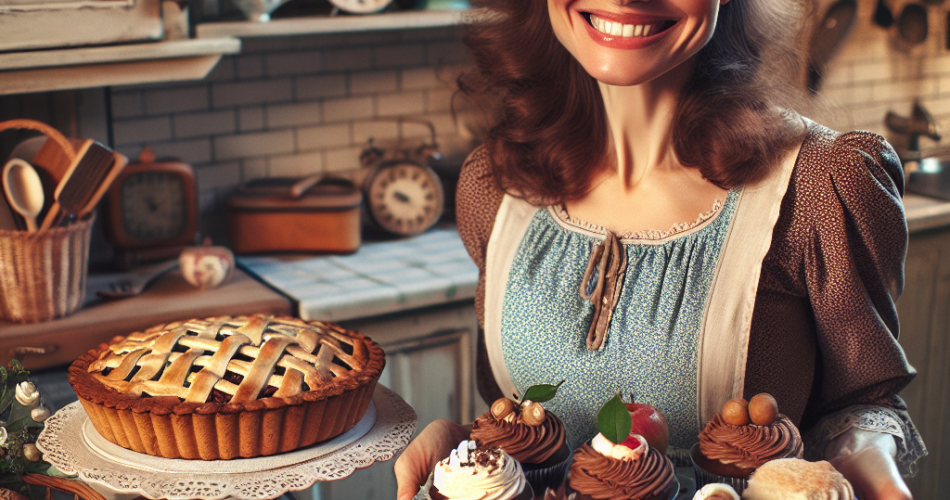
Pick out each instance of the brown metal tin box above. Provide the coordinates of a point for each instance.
(263, 216)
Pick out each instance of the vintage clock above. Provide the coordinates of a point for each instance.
(401, 193)
(403, 197)
(361, 6)
(152, 210)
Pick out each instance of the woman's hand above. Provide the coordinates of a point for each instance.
(431, 445)
(871, 469)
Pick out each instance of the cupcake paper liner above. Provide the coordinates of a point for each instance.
(551, 476)
(704, 477)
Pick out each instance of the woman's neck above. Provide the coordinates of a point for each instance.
(640, 126)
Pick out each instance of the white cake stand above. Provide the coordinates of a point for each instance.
(71, 443)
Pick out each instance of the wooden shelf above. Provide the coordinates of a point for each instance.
(173, 60)
(413, 19)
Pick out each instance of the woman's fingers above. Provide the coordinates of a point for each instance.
(431, 445)
(873, 474)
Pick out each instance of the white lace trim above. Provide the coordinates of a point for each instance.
(897, 423)
(644, 234)
(394, 426)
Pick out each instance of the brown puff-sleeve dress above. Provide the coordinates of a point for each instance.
(824, 329)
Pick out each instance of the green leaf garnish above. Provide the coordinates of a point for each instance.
(541, 392)
(614, 420)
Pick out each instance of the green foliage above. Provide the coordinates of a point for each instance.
(541, 392)
(614, 420)
(16, 419)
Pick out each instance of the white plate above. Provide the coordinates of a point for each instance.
(384, 431)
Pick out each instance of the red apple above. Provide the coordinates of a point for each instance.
(651, 424)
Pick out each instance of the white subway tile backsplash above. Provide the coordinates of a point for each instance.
(419, 78)
(311, 138)
(373, 82)
(253, 144)
(253, 92)
(224, 71)
(378, 130)
(438, 100)
(192, 151)
(207, 123)
(251, 118)
(176, 100)
(321, 86)
(348, 59)
(399, 55)
(443, 33)
(266, 44)
(299, 165)
(253, 168)
(250, 66)
(446, 52)
(344, 159)
(403, 103)
(142, 130)
(871, 71)
(300, 113)
(127, 104)
(355, 108)
(219, 175)
(294, 63)
(444, 123)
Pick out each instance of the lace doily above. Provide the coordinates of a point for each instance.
(248, 479)
(897, 423)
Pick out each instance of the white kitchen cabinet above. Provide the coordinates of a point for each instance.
(430, 356)
(924, 311)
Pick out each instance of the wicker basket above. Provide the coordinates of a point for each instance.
(43, 273)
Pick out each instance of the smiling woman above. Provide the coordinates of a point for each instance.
(741, 69)
(651, 215)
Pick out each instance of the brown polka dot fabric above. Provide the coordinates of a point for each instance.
(824, 329)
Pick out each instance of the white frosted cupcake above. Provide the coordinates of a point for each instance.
(473, 473)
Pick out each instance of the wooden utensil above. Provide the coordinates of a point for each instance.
(85, 181)
(24, 190)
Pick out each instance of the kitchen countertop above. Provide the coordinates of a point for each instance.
(925, 213)
(379, 278)
(170, 298)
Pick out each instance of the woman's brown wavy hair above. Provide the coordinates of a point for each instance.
(550, 129)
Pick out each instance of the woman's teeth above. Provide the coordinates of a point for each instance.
(623, 30)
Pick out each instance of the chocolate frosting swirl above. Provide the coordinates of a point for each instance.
(750, 446)
(528, 444)
(597, 476)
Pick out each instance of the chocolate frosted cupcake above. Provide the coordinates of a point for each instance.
(472, 472)
(741, 438)
(533, 436)
(602, 471)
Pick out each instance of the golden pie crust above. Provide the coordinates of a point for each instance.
(228, 387)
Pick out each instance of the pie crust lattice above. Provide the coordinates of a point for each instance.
(190, 359)
(228, 387)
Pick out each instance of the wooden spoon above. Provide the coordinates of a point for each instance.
(24, 190)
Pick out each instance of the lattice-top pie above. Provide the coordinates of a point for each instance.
(228, 387)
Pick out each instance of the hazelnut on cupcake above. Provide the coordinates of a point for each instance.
(742, 437)
(479, 473)
(620, 465)
(530, 434)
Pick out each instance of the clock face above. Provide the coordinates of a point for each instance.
(153, 206)
(361, 6)
(405, 198)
